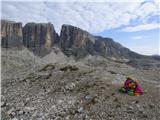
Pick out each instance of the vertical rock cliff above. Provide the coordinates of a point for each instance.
(75, 41)
(39, 37)
(11, 34)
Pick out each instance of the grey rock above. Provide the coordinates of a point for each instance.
(21, 112)
(80, 110)
(11, 34)
(3, 104)
(75, 41)
(88, 97)
(39, 37)
(15, 119)
(27, 109)
(106, 47)
(10, 111)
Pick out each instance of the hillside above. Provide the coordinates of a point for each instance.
(33, 88)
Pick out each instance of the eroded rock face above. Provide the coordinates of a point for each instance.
(106, 47)
(36, 35)
(11, 34)
(39, 37)
(79, 43)
(75, 41)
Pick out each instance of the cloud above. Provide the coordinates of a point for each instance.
(94, 17)
(138, 37)
(142, 27)
(84, 1)
(146, 50)
(146, 9)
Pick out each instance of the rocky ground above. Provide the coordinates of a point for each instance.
(79, 90)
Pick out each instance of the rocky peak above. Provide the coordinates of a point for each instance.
(76, 41)
(39, 37)
(11, 34)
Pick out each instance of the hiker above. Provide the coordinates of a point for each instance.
(132, 87)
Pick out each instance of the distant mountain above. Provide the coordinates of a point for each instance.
(41, 37)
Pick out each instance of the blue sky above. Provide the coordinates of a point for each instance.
(133, 24)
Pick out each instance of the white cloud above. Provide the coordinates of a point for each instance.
(79, 0)
(94, 17)
(147, 9)
(146, 50)
(138, 37)
(142, 27)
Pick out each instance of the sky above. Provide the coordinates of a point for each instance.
(133, 24)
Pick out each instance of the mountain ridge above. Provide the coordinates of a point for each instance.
(40, 38)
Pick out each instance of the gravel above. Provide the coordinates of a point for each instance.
(49, 91)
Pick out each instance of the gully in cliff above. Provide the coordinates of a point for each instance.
(132, 87)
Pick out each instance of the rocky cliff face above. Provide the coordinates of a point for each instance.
(106, 47)
(39, 37)
(79, 43)
(11, 34)
(75, 41)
